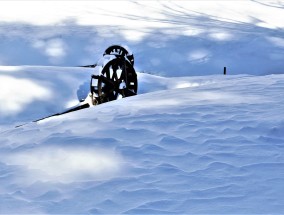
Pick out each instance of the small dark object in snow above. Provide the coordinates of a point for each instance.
(117, 79)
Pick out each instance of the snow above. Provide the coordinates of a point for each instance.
(191, 37)
(182, 145)
(192, 141)
(30, 92)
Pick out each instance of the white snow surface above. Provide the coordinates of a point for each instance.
(208, 144)
(192, 141)
(169, 38)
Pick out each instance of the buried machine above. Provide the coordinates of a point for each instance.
(117, 79)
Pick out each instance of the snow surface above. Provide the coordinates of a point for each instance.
(200, 144)
(169, 38)
(210, 144)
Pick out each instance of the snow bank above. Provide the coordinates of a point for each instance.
(29, 92)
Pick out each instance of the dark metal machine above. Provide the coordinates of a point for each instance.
(117, 78)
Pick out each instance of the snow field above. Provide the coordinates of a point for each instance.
(168, 38)
(215, 146)
(187, 145)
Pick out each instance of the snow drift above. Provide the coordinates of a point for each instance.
(211, 144)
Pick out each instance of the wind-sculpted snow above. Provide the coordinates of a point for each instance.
(190, 145)
(186, 145)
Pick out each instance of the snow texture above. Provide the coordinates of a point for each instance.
(211, 144)
(191, 142)
(169, 38)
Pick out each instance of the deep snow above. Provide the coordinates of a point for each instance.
(200, 144)
(210, 144)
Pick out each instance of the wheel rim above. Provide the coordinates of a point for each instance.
(119, 80)
(119, 51)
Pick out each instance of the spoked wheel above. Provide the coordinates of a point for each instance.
(119, 51)
(118, 79)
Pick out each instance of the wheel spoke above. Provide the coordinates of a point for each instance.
(117, 79)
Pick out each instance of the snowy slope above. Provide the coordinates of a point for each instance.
(211, 144)
(169, 38)
(201, 144)
(31, 92)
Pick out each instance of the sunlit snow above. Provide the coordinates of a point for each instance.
(16, 94)
(65, 165)
(193, 141)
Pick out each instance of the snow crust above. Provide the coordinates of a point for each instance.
(208, 144)
(205, 144)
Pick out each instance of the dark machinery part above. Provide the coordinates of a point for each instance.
(118, 78)
(119, 51)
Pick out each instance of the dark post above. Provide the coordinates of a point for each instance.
(225, 70)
